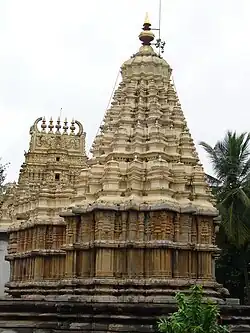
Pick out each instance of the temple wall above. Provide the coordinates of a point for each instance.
(109, 244)
(4, 265)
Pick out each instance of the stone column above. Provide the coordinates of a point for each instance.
(38, 269)
(176, 273)
(207, 265)
(200, 265)
(183, 264)
(25, 240)
(70, 264)
(34, 238)
(104, 262)
(165, 268)
(84, 263)
(139, 262)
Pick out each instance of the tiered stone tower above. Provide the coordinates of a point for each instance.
(46, 185)
(142, 223)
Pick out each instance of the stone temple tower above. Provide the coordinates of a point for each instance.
(46, 184)
(142, 223)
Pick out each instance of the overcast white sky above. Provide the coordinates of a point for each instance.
(67, 53)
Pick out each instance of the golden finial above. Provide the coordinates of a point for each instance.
(65, 127)
(146, 36)
(58, 125)
(72, 127)
(51, 126)
(43, 126)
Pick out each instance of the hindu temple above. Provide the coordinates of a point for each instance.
(46, 184)
(101, 243)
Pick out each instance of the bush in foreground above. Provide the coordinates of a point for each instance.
(195, 315)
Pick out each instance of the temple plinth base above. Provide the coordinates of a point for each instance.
(33, 316)
(113, 290)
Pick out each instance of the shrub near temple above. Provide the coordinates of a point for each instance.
(195, 315)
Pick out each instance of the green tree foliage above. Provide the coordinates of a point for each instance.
(230, 160)
(230, 268)
(195, 315)
(3, 168)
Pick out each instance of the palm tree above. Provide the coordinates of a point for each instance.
(230, 160)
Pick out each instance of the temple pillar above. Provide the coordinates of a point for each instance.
(104, 262)
(139, 262)
(16, 270)
(34, 238)
(29, 237)
(161, 263)
(119, 265)
(166, 263)
(13, 264)
(12, 271)
(194, 264)
(200, 265)
(155, 255)
(22, 268)
(25, 240)
(83, 264)
(61, 267)
(70, 264)
(38, 268)
(52, 267)
(183, 264)
(176, 273)
(26, 268)
(131, 269)
(32, 268)
(208, 274)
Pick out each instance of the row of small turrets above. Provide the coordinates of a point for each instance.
(50, 126)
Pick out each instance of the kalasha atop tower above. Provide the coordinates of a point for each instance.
(143, 222)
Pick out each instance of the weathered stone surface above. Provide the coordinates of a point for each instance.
(4, 265)
(29, 316)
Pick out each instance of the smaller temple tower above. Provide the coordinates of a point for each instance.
(45, 186)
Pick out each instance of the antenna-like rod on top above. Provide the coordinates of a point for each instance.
(159, 43)
(159, 19)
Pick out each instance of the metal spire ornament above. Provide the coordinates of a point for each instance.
(159, 44)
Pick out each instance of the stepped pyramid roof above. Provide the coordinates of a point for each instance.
(144, 156)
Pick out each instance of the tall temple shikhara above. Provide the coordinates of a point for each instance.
(141, 221)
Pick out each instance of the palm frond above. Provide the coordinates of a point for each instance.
(230, 160)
